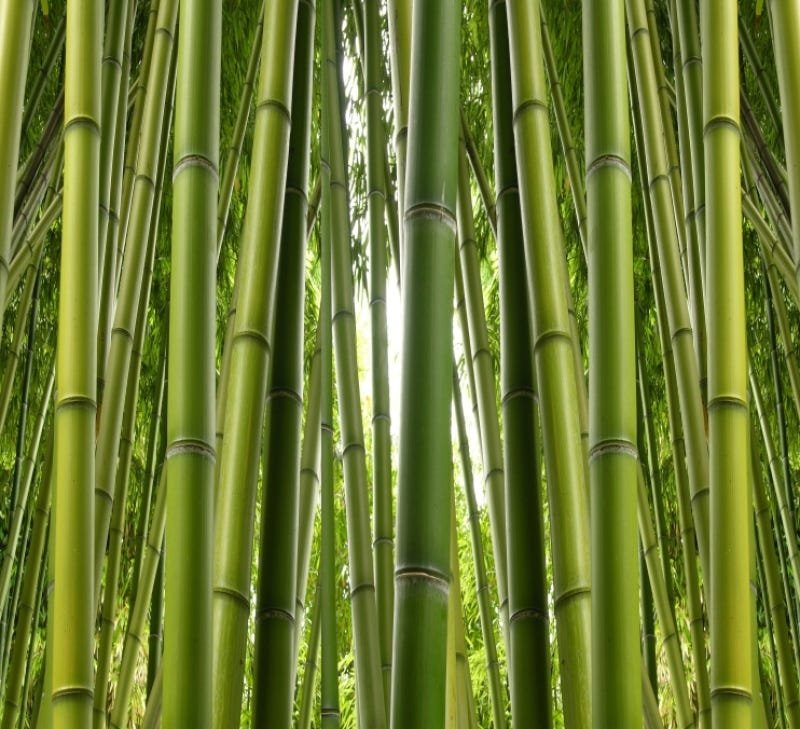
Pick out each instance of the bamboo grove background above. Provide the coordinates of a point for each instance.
(399, 364)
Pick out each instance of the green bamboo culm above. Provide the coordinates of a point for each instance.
(422, 577)
(729, 452)
(555, 363)
(191, 370)
(250, 353)
(786, 40)
(330, 716)
(276, 616)
(528, 619)
(613, 454)
(76, 406)
(16, 19)
(383, 545)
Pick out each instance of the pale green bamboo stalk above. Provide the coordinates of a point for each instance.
(26, 482)
(485, 392)
(613, 453)
(383, 523)
(670, 639)
(496, 694)
(15, 27)
(190, 454)
(677, 315)
(730, 511)
(14, 704)
(114, 380)
(371, 704)
(310, 670)
(76, 386)
(135, 637)
(776, 601)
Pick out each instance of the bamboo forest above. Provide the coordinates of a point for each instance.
(399, 364)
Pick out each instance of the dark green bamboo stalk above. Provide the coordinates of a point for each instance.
(555, 364)
(190, 451)
(76, 408)
(422, 580)
(250, 352)
(276, 619)
(155, 638)
(528, 645)
(15, 28)
(730, 618)
(383, 542)
(329, 670)
(768, 95)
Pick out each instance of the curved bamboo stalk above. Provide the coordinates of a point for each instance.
(15, 28)
(113, 382)
(664, 227)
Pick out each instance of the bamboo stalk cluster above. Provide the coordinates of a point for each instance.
(198, 211)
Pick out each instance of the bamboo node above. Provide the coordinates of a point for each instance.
(277, 105)
(433, 578)
(613, 446)
(275, 614)
(195, 160)
(431, 211)
(190, 446)
(529, 614)
(609, 160)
